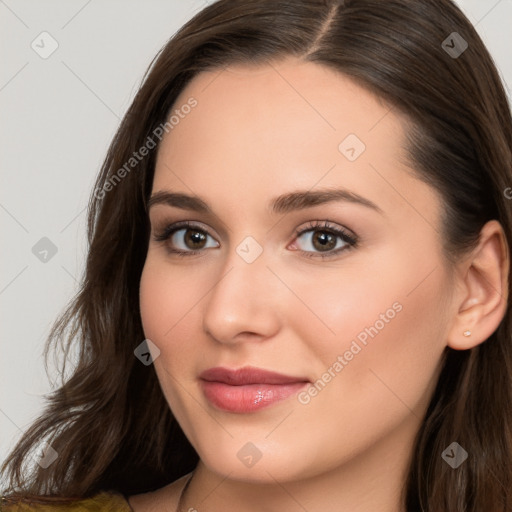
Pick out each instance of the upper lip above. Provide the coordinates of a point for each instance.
(247, 375)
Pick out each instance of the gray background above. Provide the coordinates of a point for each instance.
(58, 117)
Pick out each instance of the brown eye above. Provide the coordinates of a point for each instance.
(185, 238)
(194, 239)
(189, 239)
(323, 240)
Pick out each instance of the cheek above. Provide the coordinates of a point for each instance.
(389, 336)
(332, 307)
(154, 302)
(167, 299)
(389, 332)
(166, 295)
(396, 297)
(172, 299)
(386, 318)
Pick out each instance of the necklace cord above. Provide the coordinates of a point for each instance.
(182, 495)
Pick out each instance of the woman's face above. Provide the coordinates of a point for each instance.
(347, 295)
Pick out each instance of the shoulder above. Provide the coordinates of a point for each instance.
(107, 501)
(102, 502)
(165, 498)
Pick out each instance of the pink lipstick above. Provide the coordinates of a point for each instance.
(247, 389)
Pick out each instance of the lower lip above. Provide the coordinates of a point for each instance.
(249, 397)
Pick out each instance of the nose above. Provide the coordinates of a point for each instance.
(243, 303)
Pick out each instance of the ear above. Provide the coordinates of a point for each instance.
(483, 283)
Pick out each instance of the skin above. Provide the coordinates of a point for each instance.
(258, 132)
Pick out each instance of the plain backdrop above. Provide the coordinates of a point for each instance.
(58, 115)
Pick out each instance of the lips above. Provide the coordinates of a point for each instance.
(247, 389)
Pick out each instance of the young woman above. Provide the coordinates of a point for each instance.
(297, 289)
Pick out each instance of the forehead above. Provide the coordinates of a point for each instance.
(260, 130)
(288, 100)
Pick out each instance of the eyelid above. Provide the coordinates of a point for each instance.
(170, 228)
(327, 225)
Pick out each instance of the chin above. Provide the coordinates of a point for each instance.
(260, 461)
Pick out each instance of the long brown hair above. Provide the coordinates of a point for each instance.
(109, 422)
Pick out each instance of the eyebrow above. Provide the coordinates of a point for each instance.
(293, 201)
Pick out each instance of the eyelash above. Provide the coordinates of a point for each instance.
(324, 226)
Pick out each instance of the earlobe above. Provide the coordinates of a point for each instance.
(484, 286)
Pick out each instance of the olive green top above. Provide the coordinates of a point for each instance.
(101, 502)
